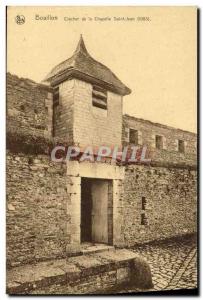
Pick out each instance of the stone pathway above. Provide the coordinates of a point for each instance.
(173, 264)
(186, 277)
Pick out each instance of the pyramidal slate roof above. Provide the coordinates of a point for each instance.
(82, 66)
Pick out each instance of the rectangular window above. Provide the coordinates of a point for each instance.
(159, 141)
(133, 136)
(143, 219)
(181, 146)
(144, 203)
(99, 97)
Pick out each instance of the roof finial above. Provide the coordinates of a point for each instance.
(81, 46)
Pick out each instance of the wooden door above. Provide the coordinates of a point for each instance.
(100, 211)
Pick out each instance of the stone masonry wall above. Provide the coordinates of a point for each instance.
(171, 206)
(79, 122)
(29, 107)
(63, 113)
(169, 153)
(36, 209)
(92, 125)
(43, 199)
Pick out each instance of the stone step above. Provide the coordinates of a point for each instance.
(90, 249)
(81, 274)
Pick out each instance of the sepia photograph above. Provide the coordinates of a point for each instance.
(101, 150)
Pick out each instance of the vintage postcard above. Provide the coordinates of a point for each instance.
(101, 150)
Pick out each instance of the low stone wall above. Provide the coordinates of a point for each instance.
(81, 274)
(158, 203)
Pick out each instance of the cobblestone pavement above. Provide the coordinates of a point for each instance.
(173, 264)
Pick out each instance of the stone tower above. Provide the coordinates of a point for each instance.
(87, 111)
(87, 105)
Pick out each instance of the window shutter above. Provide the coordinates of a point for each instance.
(185, 146)
(140, 138)
(126, 134)
(153, 141)
(164, 143)
(99, 97)
(176, 145)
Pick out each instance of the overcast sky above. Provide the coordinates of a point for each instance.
(156, 59)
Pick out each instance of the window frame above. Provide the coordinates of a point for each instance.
(136, 143)
(160, 143)
(181, 144)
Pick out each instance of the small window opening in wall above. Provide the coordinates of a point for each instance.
(144, 203)
(159, 141)
(30, 160)
(181, 146)
(143, 219)
(99, 97)
(56, 97)
(133, 136)
(22, 107)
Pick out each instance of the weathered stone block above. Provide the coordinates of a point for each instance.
(141, 276)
